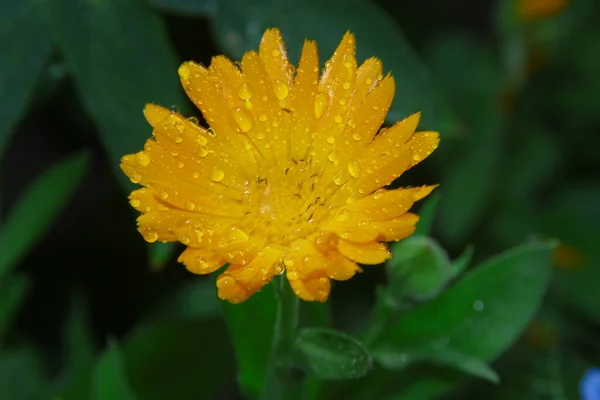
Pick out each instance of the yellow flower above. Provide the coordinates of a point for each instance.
(289, 176)
(531, 10)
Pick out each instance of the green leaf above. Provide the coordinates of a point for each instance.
(121, 59)
(37, 207)
(22, 375)
(328, 354)
(81, 351)
(463, 261)
(195, 300)
(187, 8)
(419, 269)
(442, 356)
(480, 317)
(13, 290)
(188, 359)
(110, 378)
(238, 27)
(427, 215)
(25, 45)
(250, 326)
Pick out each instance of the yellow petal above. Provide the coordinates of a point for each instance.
(239, 282)
(370, 253)
(303, 100)
(200, 261)
(155, 114)
(368, 77)
(274, 57)
(145, 201)
(366, 231)
(312, 288)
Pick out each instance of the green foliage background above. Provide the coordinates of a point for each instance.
(495, 296)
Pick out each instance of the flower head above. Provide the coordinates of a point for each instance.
(288, 178)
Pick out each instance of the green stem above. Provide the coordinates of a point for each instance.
(281, 382)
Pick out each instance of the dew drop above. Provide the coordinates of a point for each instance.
(242, 119)
(142, 158)
(201, 151)
(178, 139)
(217, 175)
(478, 305)
(368, 81)
(356, 136)
(198, 233)
(347, 64)
(281, 89)
(180, 126)
(275, 53)
(279, 268)
(262, 117)
(333, 157)
(351, 123)
(180, 165)
(148, 209)
(244, 92)
(195, 175)
(150, 236)
(164, 195)
(194, 120)
(331, 139)
(321, 100)
(260, 135)
(354, 169)
(337, 119)
(185, 240)
(292, 275)
(344, 215)
(225, 282)
(174, 153)
(135, 178)
(340, 178)
(379, 194)
(417, 157)
(346, 85)
(135, 203)
(237, 235)
(345, 234)
(375, 107)
(173, 109)
(211, 132)
(190, 205)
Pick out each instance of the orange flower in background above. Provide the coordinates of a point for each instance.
(531, 10)
(288, 178)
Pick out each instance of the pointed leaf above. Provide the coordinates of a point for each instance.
(13, 290)
(37, 207)
(110, 378)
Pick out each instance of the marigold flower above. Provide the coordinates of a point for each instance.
(288, 178)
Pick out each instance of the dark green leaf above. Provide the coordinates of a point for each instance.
(329, 354)
(251, 325)
(187, 7)
(188, 359)
(13, 290)
(81, 352)
(463, 261)
(479, 317)
(239, 26)
(25, 45)
(121, 59)
(110, 377)
(36, 209)
(427, 215)
(22, 375)
(195, 300)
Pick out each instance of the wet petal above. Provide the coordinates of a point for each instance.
(200, 261)
(370, 253)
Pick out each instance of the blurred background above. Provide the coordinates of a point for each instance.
(513, 86)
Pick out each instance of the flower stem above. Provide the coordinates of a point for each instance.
(281, 382)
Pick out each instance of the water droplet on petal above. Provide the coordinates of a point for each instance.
(184, 72)
(354, 169)
(180, 126)
(142, 158)
(237, 234)
(347, 64)
(260, 135)
(198, 233)
(185, 240)
(225, 282)
(333, 157)
(351, 123)
(356, 136)
(150, 236)
(281, 89)
(135, 178)
(262, 117)
(164, 195)
(321, 102)
(242, 119)
(338, 119)
(135, 203)
(275, 53)
(417, 157)
(368, 81)
(340, 178)
(375, 107)
(244, 92)
(174, 153)
(190, 205)
(211, 132)
(217, 175)
(201, 151)
(195, 175)
(346, 85)
(330, 139)
(194, 120)
(379, 194)
(279, 268)
(344, 215)
(180, 165)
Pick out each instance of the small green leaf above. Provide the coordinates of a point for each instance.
(393, 360)
(25, 46)
(427, 215)
(37, 207)
(187, 7)
(251, 332)
(419, 269)
(328, 354)
(81, 352)
(110, 378)
(121, 59)
(13, 290)
(239, 25)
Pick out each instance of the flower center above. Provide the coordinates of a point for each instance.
(287, 203)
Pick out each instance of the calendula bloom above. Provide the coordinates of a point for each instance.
(531, 10)
(288, 178)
